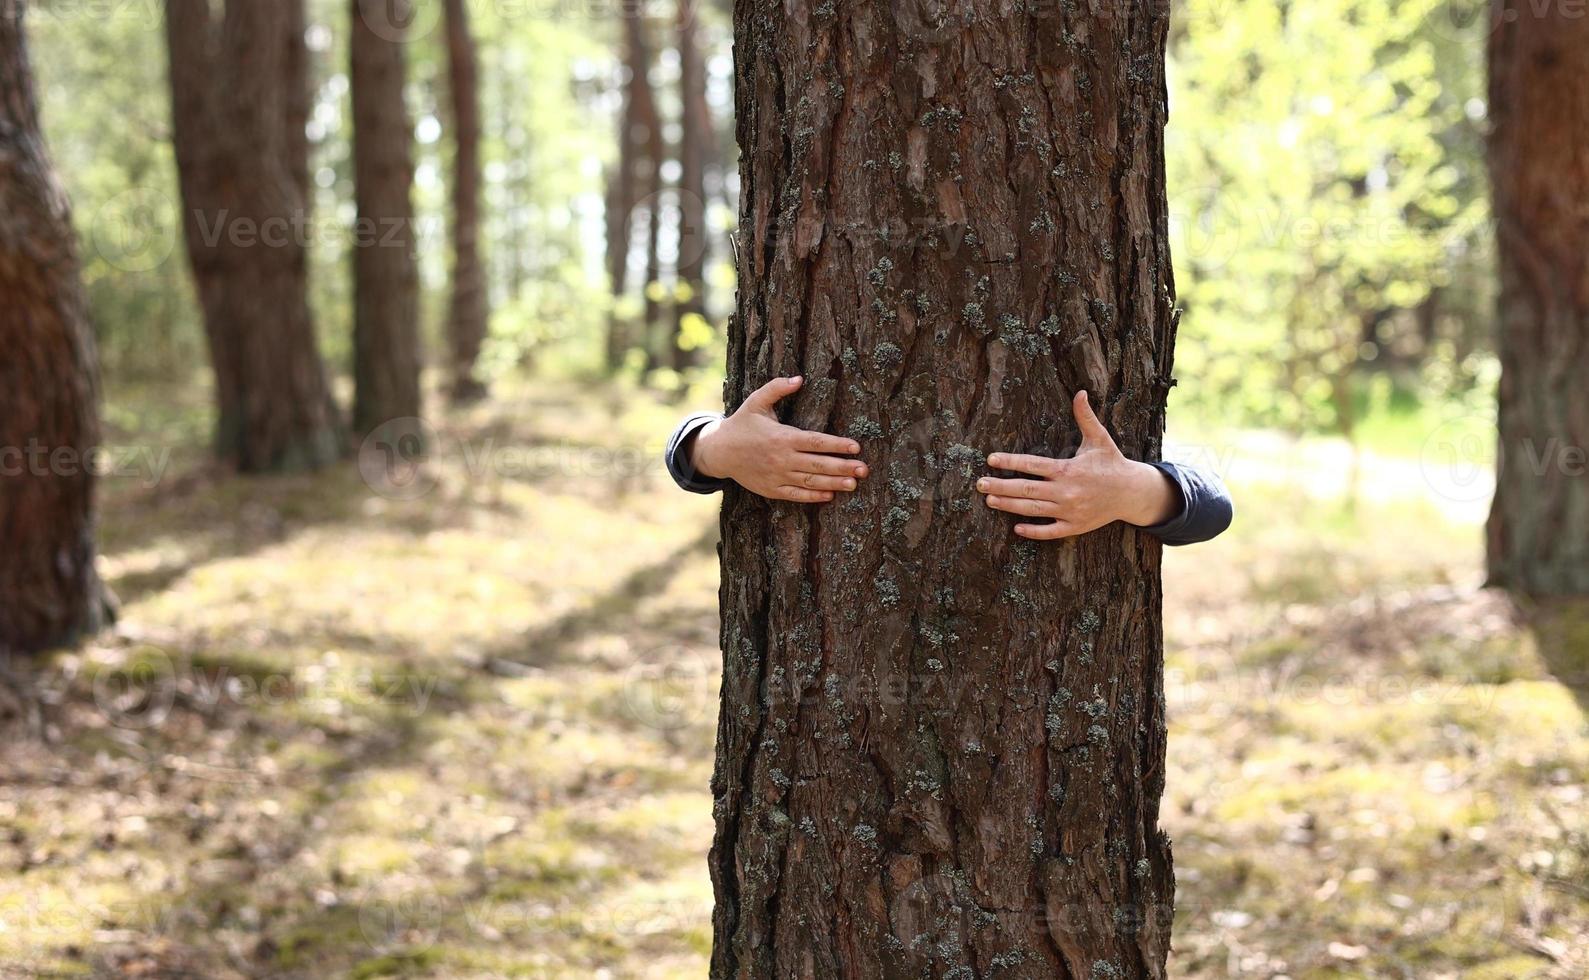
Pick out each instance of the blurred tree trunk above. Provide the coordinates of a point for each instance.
(620, 193)
(240, 101)
(386, 356)
(695, 145)
(634, 185)
(649, 152)
(1539, 170)
(941, 748)
(469, 310)
(50, 592)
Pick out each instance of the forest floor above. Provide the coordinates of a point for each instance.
(469, 734)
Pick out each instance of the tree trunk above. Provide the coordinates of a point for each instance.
(239, 103)
(620, 194)
(635, 189)
(941, 748)
(386, 358)
(1538, 532)
(50, 593)
(695, 143)
(469, 310)
(1539, 170)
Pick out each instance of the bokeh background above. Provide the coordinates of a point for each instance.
(461, 725)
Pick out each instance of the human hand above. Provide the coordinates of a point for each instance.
(766, 457)
(1096, 487)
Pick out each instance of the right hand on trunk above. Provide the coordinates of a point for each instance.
(766, 457)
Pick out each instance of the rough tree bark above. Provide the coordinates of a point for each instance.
(239, 104)
(50, 593)
(1539, 172)
(386, 358)
(469, 309)
(695, 144)
(941, 748)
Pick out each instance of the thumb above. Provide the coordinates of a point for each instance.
(767, 397)
(1092, 431)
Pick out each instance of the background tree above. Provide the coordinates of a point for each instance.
(50, 592)
(940, 747)
(634, 189)
(1311, 225)
(695, 148)
(386, 355)
(1539, 163)
(469, 309)
(240, 107)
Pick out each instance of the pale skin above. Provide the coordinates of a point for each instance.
(1092, 489)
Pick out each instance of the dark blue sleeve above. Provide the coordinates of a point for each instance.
(1206, 509)
(679, 461)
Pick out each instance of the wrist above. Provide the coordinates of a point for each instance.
(701, 449)
(1153, 499)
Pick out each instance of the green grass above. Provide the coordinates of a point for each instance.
(470, 735)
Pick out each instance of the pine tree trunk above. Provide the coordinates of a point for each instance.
(386, 359)
(469, 310)
(50, 593)
(620, 195)
(239, 103)
(1538, 532)
(1539, 169)
(695, 143)
(941, 748)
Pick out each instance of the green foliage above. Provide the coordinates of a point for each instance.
(1315, 199)
(105, 109)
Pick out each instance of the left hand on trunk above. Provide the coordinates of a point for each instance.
(1096, 487)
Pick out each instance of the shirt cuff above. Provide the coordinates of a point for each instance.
(1206, 509)
(678, 461)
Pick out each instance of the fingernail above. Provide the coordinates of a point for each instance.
(795, 380)
(849, 484)
(860, 471)
(982, 485)
(992, 500)
(997, 459)
(855, 447)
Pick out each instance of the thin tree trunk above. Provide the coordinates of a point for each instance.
(386, 357)
(620, 194)
(1538, 532)
(646, 157)
(941, 748)
(469, 310)
(695, 143)
(50, 592)
(239, 103)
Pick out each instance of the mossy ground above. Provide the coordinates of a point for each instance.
(470, 734)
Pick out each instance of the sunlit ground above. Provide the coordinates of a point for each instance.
(469, 734)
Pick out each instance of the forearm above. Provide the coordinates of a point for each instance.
(681, 450)
(1149, 497)
(1204, 508)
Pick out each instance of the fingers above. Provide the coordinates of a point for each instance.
(1022, 463)
(802, 495)
(1026, 508)
(767, 397)
(829, 465)
(1028, 489)
(821, 442)
(1047, 532)
(1092, 430)
(816, 481)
